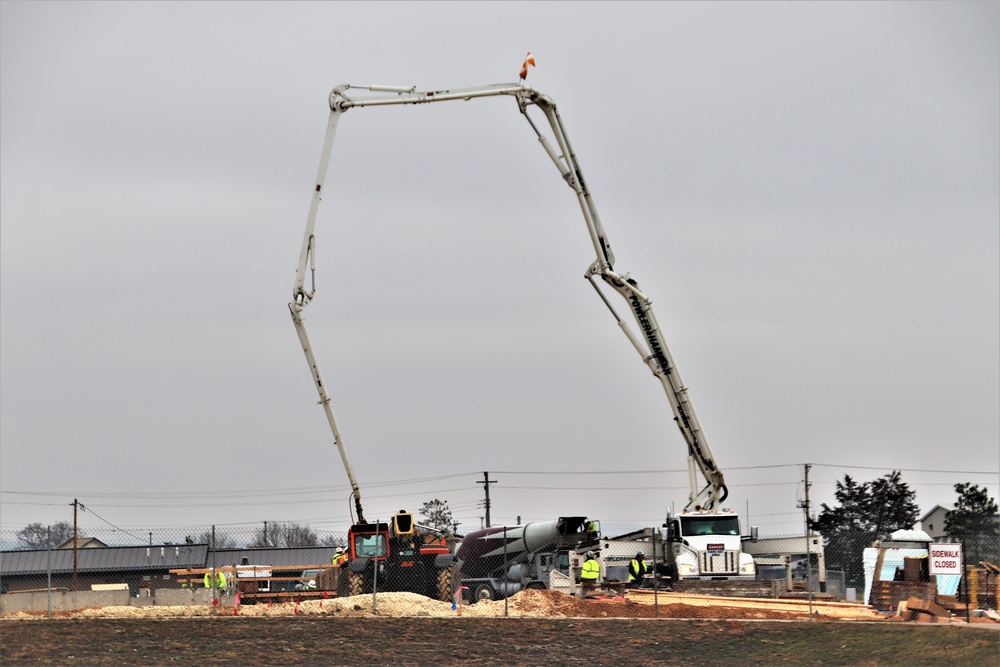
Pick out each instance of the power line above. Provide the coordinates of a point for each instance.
(90, 509)
(253, 504)
(238, 492)
(300, 491)
(943, 472)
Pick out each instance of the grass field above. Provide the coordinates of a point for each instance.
(489, 641)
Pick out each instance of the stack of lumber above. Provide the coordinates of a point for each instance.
(793, 608)
(924, 611)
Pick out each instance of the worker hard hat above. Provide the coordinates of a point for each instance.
(639, 555)
(339, 550)
(590, 554)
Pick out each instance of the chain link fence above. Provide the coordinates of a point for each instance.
(283, 564)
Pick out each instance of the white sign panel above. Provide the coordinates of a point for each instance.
(946, 559)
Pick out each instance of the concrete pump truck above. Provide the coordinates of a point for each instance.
(702, 541)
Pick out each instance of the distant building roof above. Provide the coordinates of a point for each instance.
(157, 557)
(934, 509)
(910, 536)
(277, 556)
(83, 543)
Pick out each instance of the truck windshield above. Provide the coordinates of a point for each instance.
(691, 525)
(367, 546)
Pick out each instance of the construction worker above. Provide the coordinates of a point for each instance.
(636, 569)
(339, 557)
(591, 572)
(590, 528)
(219, 580)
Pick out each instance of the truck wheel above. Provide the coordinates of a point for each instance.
(483, 592)
(355, 583)
(443, 588)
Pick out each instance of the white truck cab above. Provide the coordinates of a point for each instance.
(708, 544)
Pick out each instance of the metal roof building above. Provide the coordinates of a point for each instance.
(277, 556)
(103, 559)
(157, 557)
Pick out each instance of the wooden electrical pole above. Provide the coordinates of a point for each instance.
(808, 545)
(806, 507)
(76, 540)
(486, 487)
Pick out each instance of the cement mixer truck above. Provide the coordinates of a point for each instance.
(499, 561)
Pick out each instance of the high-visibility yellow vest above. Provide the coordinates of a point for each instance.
(639, 568)
(220, 580)
(591, 571)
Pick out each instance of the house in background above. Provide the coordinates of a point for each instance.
(932, 523)
(83, 543)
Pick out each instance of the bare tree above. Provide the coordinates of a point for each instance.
(223, 540)
(37, 536)
(332, 540)
(284, 534)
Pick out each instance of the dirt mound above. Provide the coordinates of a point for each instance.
(525, 604)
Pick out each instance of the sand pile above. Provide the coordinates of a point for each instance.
(525, 604)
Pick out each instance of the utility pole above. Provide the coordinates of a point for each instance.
(486, 487)
(76, 539)
(808, 543)
(806, 506)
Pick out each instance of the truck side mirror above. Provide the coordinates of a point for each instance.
(753, 533)
(672, 531)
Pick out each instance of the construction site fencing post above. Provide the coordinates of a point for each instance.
(375, 573)
(215, 592)
(48, 571)
(656, 580)
(965, 582)
(505, 568)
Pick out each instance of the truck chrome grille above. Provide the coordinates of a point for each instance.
(719, 562)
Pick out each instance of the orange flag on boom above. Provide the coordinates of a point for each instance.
(529, 60)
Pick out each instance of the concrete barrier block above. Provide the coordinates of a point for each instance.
(182, 597)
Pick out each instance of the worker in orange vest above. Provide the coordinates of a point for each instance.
(339, 557)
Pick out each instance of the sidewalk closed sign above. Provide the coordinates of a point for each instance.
(946, 559)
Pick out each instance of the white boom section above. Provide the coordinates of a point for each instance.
(652, 347)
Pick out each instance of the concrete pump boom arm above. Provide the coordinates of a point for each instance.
(651, 347)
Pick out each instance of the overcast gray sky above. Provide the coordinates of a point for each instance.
(810, 192)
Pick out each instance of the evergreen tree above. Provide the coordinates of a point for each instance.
(974, 523)
(437, 515)
(867, 512)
